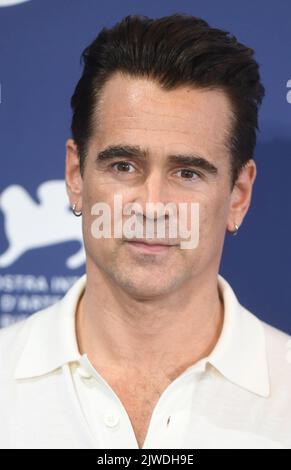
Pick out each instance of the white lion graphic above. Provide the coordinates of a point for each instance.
(10, 3)
(30, 225)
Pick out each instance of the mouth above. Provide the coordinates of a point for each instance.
(150, 246)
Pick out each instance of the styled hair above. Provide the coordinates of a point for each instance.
(173, 50)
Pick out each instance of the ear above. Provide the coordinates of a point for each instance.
(74, 181)
(241, 194)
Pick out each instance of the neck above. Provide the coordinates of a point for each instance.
(166, 334)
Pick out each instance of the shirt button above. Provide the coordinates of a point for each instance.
(83, 372)
(111, 420)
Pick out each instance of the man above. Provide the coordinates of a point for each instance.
(151, 348)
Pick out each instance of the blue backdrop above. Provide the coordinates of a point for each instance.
(41, 252)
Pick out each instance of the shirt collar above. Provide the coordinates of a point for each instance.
(52, 339)
(239, 355)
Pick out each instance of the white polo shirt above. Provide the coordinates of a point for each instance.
(51, 397)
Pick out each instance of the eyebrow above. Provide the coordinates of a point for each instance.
(135, 151)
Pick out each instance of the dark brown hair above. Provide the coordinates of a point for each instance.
(174, 50)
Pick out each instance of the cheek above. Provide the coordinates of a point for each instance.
(95, 193)
(212, 220)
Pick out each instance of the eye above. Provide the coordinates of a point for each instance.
(188, 174)
(122, 167)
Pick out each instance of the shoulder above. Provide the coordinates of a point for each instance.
(278, 343)
(14, 337)
(278, 350)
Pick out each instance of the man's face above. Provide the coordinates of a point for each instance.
(137, 112)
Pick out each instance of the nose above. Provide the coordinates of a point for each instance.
(153, 190)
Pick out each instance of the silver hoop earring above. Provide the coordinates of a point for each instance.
(234, 232)
(77, 214)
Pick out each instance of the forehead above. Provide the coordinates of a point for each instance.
(139, 108)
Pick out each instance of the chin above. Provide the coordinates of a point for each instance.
(147, 286)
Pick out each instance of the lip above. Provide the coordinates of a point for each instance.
(149, 247)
